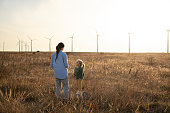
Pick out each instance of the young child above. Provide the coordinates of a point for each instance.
(79, 74)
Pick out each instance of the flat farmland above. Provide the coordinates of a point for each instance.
(114, 82)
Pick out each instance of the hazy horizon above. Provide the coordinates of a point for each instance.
(148, 22)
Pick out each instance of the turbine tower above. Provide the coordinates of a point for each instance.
(72, 42)
(31, 41)
(22, 45)
(19, 44)
(49, 42)
(168, 41)
(97, 41)
(28, 47)
(3, 46)
(25, 44)
(129, 41)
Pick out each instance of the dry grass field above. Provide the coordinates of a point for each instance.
(115, 83)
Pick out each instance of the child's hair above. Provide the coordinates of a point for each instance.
(82, 65)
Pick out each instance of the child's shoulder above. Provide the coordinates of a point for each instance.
(78, 68)
(81, 69)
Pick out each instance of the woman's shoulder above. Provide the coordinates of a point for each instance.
(60, 53)
(63, 54)
(54, 54)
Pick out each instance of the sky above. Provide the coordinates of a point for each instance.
(146, 20)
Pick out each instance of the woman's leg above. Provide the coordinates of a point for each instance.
(58, 88)
(66, 88)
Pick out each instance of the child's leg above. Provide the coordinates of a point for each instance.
(77, 84)
(80, 85)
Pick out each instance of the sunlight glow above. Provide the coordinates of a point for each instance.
(147, 20)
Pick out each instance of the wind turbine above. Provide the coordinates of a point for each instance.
(28, 47)
(22, 45)
(3, 46)
(168, 41)
(98, 41)
(19, 44)
(72, 42)
(31, 41)
(25, 44)
(49, 42)
(129, 41)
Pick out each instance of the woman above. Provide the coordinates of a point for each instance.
(59, 64)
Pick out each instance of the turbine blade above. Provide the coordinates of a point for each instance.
(46, 38)
(18, 37)
(52, 37)
(96, 32)
(34, 39)
(29, 37)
